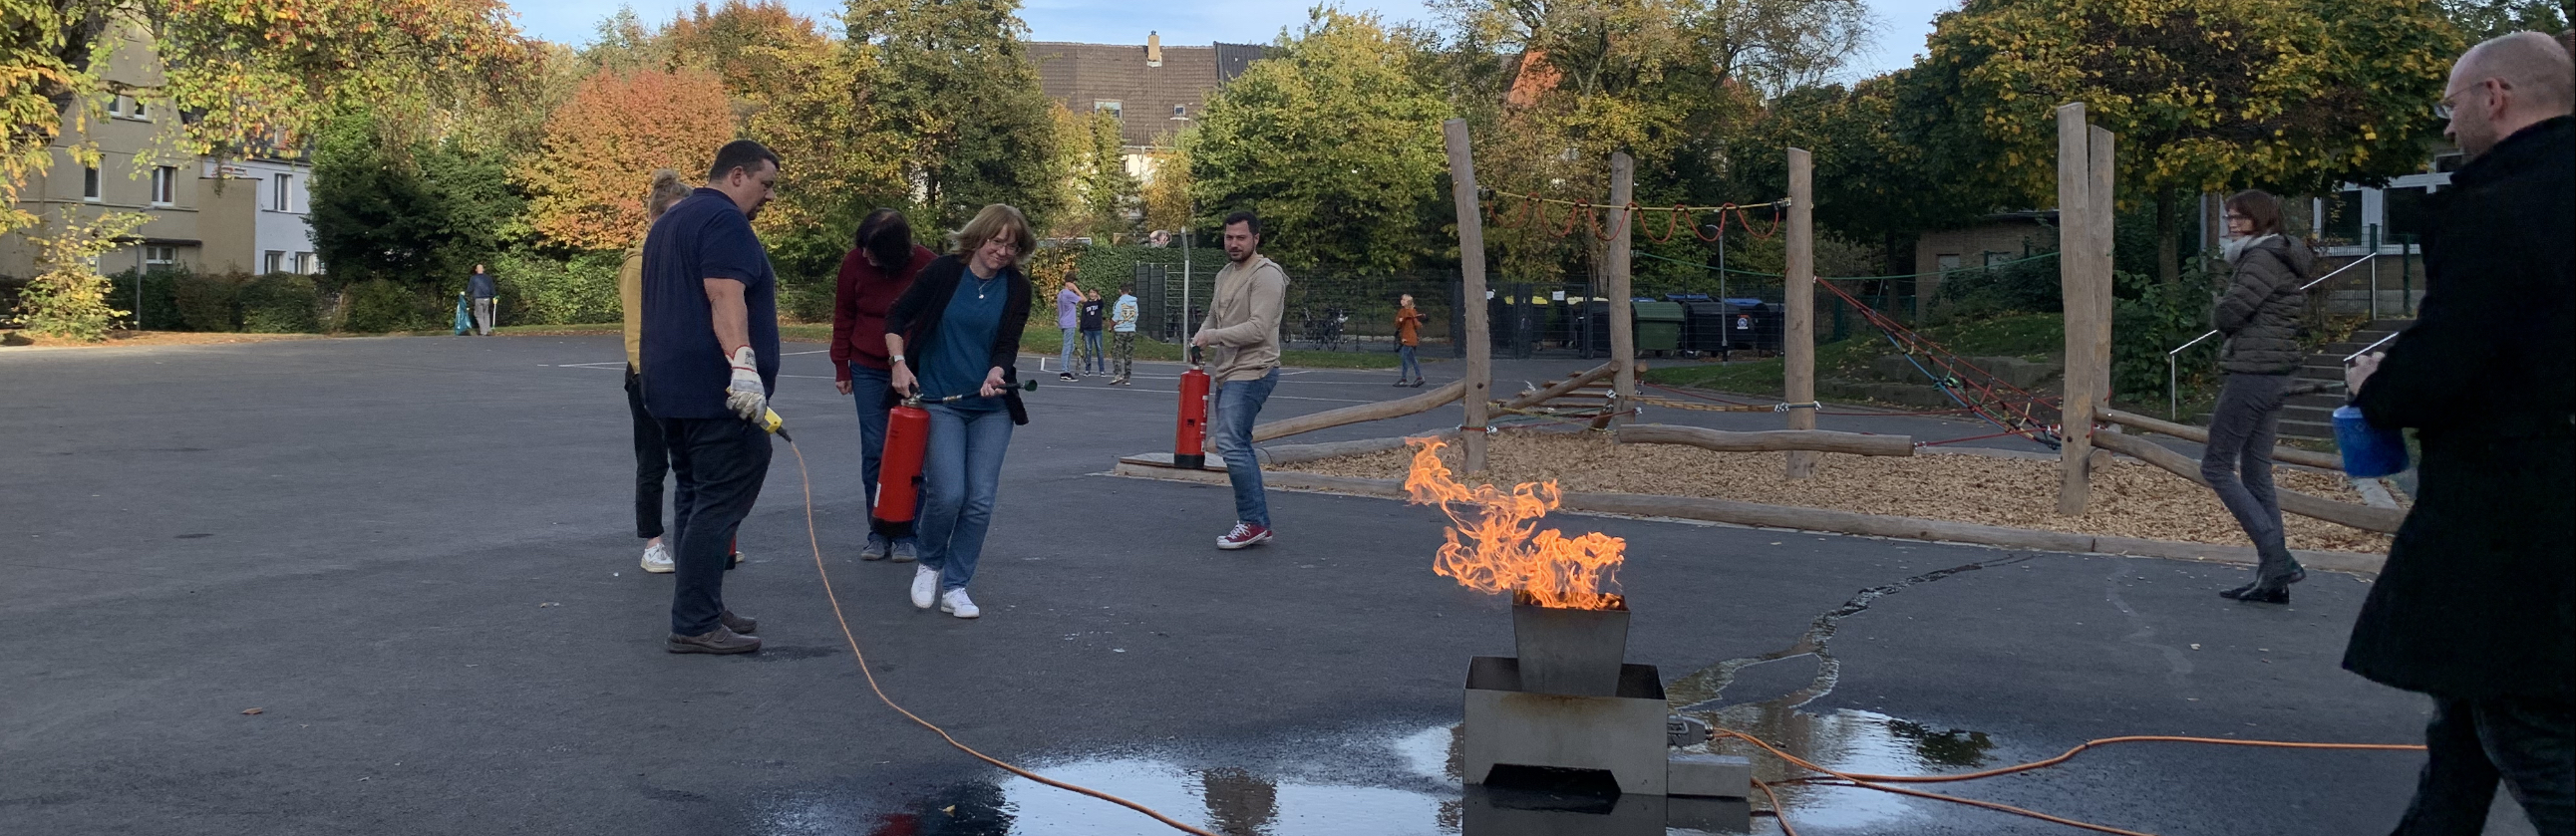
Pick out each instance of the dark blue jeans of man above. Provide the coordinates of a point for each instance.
(721, 463)
(961, 474)
(868, 387)
(1408, 367)
(1238, 404)
(2527, 742)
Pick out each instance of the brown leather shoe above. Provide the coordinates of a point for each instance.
(718, 640)
(738, 624)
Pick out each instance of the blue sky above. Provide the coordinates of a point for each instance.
(1902, 23)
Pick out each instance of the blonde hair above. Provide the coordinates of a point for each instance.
(995, 221)
(666, 190)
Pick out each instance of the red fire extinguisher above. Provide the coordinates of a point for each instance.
(899, 469)
(1189, 442)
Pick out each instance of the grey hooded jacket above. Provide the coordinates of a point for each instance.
(2262, 307)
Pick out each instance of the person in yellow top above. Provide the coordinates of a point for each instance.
(652, 459)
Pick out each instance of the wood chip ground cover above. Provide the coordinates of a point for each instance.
(2131, 499)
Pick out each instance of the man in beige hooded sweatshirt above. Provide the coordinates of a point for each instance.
(1241, 338)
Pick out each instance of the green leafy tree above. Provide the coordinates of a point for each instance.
(419, 216)
(1104, 196)
(2206, 95)
(2483, 19)
(954, 79)
(1331, 141)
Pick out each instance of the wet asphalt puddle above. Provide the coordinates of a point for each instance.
(1403, 781)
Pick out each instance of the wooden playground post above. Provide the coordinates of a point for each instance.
(2084, 192)
(1798, 338)
(1471, 268)
(1623, 329)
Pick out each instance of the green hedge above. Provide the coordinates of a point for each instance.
(538, 290)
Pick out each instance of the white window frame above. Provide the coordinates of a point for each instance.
(93, 187)
(275, 262)
(1116, 108)
(282, 193)
(165, 186)
(160, 255)
(304, 263)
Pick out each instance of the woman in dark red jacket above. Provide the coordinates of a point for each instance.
(867, 289)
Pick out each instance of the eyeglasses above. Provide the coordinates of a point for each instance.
(2442, 109)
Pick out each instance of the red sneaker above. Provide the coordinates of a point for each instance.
(1244, 534)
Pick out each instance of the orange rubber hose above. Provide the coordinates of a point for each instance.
(817, 541)
(1879, 782)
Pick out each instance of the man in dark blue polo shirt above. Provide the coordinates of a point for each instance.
(710, 351)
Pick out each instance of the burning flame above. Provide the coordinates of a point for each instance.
(1544, 567)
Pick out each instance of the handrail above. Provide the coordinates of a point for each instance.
(2348, 358)
(2173, 365)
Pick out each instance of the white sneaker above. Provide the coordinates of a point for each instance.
(657, 558)
(955, 603)
(925, 585)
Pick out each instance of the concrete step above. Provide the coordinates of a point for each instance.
(2323, 400)
(2306, 429)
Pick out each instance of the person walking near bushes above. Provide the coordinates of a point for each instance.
(652, 458)
(1241, 335)
(1122, 317)
(2259, 315)
(876, 272)
(2476, 606)
(1408, 339)
(480, 286)
(962, 318)
(1068, 321)
(1094, 360)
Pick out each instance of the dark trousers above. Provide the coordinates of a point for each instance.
(652, 462)
(721, 463)
(2529, 743)
(2238, 465)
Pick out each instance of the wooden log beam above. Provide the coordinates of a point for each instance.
(2364, 517)
(1623, 329)
(1287, 454)
(2187, 432)
(1798, 342)
(1822, 441)
(1471, 271)
(1530, 399)
(1354, 414)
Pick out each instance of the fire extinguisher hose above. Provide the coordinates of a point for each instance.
(814, 538)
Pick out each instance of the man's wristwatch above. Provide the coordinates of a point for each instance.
(893, 359)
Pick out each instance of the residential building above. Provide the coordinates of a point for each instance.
(1154, 91)
(202, 213)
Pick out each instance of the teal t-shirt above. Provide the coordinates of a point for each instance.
(956, 365)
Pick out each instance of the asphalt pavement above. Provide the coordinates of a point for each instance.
(389, 586)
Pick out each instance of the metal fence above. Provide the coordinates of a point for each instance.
(1354, 310)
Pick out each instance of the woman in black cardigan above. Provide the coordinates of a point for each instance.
(962, 319)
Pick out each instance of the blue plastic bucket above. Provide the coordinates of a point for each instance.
(2369, 452)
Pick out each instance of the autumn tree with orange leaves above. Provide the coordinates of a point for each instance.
(600, 149)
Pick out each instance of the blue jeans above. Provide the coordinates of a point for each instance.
(721, 463)
(868, 387)
(1407, 364)
(960, 475)
(1093, 360)
(1238, 404)
(1064, 357)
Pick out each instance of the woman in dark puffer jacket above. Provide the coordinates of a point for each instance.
(2259, 314)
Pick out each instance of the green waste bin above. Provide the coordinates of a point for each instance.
(1659, 325)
